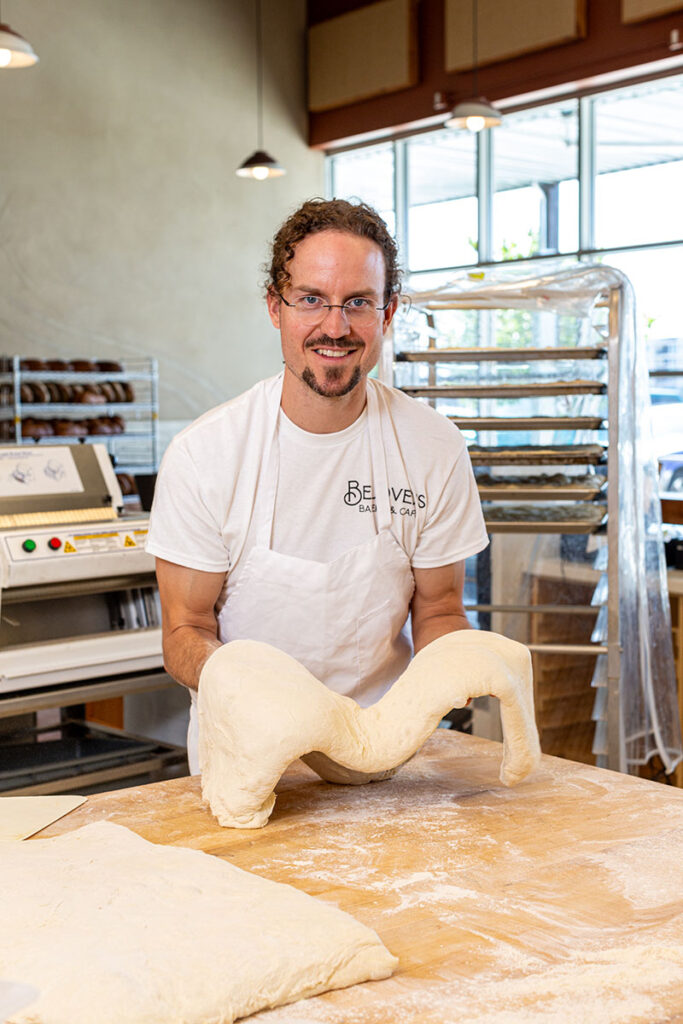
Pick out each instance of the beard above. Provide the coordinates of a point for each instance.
(332, 386)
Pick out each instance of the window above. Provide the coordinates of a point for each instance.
(639, 163)
(367, 174)
(535, 171)
(442, 200)
(513, 193)
(656, 278)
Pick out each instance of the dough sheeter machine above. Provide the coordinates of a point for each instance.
(79, 621)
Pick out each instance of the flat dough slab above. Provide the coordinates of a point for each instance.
(260, 710)
(112, 929)
(23, 816)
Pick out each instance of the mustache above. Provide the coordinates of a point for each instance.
(325, 341)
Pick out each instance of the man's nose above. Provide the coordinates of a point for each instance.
(336, 322)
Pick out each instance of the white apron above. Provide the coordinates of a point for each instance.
(342, 619)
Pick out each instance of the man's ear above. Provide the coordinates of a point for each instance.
(388, 314)
(274, 303)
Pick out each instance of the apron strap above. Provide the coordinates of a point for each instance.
(266, 494)
(378, 458)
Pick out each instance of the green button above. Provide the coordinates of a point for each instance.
(29, 545)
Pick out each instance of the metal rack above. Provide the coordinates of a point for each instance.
(577, 501)
(134, 448)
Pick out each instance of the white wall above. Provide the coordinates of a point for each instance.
(123, 228)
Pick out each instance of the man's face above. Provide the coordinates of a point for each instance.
(331, 356)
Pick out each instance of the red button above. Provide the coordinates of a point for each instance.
(54, 543)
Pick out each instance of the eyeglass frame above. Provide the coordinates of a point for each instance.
(327, 306)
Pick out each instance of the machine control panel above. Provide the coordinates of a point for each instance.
(56, 552)
(86, 540)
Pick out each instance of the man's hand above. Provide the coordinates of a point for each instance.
(189, 626)
(437, 608)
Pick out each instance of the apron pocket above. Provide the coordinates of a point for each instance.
(374, 648)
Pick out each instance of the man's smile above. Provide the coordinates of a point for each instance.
(333, 353)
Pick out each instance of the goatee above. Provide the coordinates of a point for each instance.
(332, 375)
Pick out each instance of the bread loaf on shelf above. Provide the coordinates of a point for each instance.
(78, 392)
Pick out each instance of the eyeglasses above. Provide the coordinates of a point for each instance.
(312, 309)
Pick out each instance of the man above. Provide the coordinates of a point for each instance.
(319, 510)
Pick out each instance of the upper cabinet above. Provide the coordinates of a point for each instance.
(640, 10)
(362, 53)
(508, 30)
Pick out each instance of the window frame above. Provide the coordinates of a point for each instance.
(586, 174)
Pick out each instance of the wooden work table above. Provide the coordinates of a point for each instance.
(560, 900)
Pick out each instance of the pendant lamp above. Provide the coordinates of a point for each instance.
(260, 165)
(15, 51)
(476, 113)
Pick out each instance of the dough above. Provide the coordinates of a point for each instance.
(21, 816)
(112, 929)
(260, 709)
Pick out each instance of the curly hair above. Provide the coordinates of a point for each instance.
(331, 215)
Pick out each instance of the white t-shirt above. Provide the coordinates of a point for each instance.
(202, 516)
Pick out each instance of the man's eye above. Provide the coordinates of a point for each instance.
(358, 303)
(311, 301)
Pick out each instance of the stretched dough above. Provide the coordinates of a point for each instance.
(103, 927)
(260, 709)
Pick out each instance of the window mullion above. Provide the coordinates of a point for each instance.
(401, 200)
(586, 174)
(485, 196)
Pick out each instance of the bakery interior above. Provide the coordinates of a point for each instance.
(542, 246)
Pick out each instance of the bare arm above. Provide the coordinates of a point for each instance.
(189, 627)
(437, 606)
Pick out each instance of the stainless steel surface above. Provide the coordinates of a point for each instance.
(149, 765)
(532, 390)
(527, 422)
(544, 487)
(541, 455)
(70, 588)
(534, 526)
(501, 355)
(30, 701)
(548, 493)
(80, 622)
(616, 754)
(578, 517)
(537, 609)
(568, 648)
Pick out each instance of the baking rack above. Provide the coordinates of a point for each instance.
(134, 448)
(582, 500)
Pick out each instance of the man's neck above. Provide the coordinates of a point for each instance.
(320, 414)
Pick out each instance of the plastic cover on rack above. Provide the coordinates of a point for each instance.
(650, 723)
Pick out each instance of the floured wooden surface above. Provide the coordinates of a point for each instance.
(557, 902)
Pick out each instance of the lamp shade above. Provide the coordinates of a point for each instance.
(260, 165)
(15, 51)
(474, 115)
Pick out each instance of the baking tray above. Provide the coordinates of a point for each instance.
(537, 455)
(490, 389)
(77, 748)
(500, 355)
(579, 517)
(543, 487)
(528, 423)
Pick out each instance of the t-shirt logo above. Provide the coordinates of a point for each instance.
(403, 500)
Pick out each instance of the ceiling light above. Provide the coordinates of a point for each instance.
(15, 51)
(476, 113)
(260, 165)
